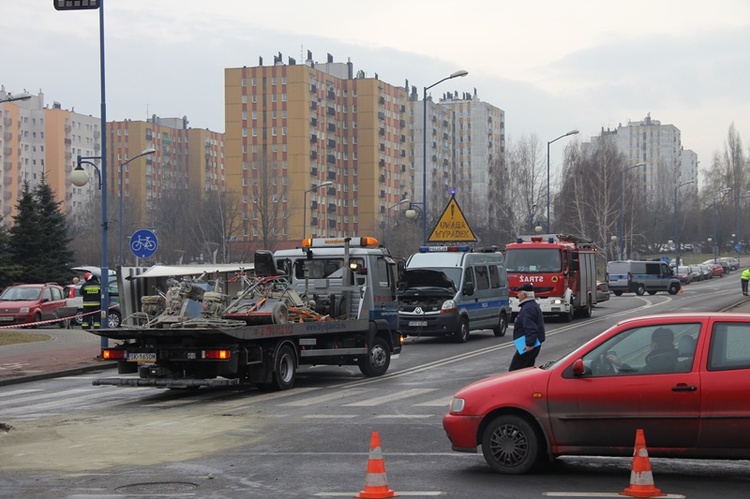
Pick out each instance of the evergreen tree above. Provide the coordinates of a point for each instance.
(56, 255)
(9, 271)
(24, 238)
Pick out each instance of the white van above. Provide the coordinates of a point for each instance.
(451, 291)
(639, 277)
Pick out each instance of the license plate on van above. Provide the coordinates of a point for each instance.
(417, 323)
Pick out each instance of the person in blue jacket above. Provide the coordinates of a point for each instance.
(529, 324)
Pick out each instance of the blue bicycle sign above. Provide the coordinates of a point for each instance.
(143, 243)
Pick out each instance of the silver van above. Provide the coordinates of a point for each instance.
(453, 291)
(639, 277)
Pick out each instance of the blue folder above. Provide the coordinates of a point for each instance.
(521, 344)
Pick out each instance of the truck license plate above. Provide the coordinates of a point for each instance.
(142, 357)
(417, 323)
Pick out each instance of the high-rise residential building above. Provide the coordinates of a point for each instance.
(186, 159)
(38, 140)
(465, 137)
(659, 146)
(314, 149)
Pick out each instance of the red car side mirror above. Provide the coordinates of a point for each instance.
(578, 367)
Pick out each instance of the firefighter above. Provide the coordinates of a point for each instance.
(91, 291)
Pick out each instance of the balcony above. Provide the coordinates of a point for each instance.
(330, 111)
(331, 207)
(331, 144)
(313, 88)
(331, 159)
(314, 205)
(331, 127)
(331, 223)
(381, 163)
(313, 105)
(313, 172)
(331, 176)
(381, 115)
(313, 139)
(331, 94)
(313, 121)
(313, 154)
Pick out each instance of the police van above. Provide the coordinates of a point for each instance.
(639, 277)
(453, 290)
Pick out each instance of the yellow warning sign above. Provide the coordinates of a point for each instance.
(452, 226)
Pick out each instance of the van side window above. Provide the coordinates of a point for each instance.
(483, 278)
(494, 277)
(653, 268)
(468, 276)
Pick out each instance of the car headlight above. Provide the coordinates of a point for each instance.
(457, 404)
(448, 305)
(24, 310)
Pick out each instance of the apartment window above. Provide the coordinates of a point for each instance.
(244, 99)
(244, 132)
(254, 115)
(273, 80)
(254, 99)
(244, 82)
(283, 97)
(283, 80)
(273, 97)
(255, 132)
(273, 131)
(283, 130)
(255, 82)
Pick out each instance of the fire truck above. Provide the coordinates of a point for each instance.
(562, 269)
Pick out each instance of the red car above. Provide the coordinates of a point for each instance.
(717, 269)
(682, 378)
(25, 303)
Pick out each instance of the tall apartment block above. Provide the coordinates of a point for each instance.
(313, 124)
(38, 140)
(327, 145)
(659, 146)
(186, 159)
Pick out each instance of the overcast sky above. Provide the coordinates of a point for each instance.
(552, 66)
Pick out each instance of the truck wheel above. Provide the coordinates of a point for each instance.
(377, 360)
(568, 316)
(502, 326)
(640, 290)
(462, 334)
(586, 311)
(510, 445)
(284, 368)
(674, 288)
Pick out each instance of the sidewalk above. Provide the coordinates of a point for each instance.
(68, 352)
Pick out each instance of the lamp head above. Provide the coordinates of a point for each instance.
(79, 177)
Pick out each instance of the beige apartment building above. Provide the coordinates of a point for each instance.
(186, 159)
(329, 146)
(37, 141)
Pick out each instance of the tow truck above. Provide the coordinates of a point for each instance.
(331, 301)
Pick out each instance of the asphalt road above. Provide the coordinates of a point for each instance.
(70, 439)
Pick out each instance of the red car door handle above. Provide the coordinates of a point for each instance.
(684, 388)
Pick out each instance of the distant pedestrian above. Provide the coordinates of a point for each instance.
(75, 280)
(743, 279)
(91, 291)
(528, 329)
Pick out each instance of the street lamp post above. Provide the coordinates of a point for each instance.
(304, 201)
(388, 228)
(716, 223)
(572, 132)
(676, 224)
(99, 4)
(13, 98)
(531, 216)
(145, 152)
(622, 205)
(457, 74)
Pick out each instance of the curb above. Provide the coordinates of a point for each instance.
(57, 374)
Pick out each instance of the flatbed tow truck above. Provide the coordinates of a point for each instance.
(332, 301)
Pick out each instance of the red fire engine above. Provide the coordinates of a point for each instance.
(562, 269)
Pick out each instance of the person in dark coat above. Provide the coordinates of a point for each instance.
(529, 324)
(91, 291)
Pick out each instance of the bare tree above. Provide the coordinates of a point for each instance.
(216, 224)
(268, 214)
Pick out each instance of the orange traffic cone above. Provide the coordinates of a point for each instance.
(641, 479)
(376, 483)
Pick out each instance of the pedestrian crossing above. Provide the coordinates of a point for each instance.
(348, 401)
